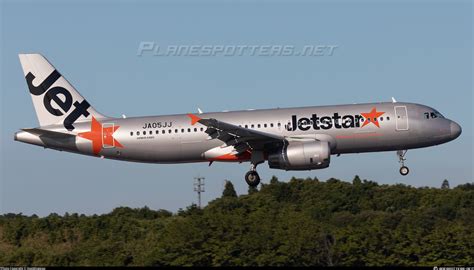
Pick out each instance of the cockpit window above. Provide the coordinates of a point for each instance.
(438, 114)
(433, 115)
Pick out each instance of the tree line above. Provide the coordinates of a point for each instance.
(301, 222)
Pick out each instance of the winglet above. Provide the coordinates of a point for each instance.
(394, 100)
(194, 118)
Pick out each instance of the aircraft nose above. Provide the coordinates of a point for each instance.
(455, 130)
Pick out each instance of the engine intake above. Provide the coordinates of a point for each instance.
(301, 155)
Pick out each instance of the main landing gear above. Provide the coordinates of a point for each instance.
(401, 159)
(251, 177)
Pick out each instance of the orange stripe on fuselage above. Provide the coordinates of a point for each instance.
(231, 157)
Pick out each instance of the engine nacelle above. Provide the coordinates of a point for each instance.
(301, 155)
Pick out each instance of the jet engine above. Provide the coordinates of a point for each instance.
(301, 155)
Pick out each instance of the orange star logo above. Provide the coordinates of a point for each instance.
(100, 136)
(372, 117)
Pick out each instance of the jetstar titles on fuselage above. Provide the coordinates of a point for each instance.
(327, 122)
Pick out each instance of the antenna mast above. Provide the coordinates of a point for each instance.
(199, 187)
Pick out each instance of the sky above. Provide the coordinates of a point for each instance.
(417, 51)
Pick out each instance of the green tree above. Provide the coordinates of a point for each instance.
(252, 190)
(274, 179)
(445, 184)
(356, 180)
(229, 190)
(297, 223)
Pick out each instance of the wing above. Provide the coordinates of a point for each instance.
(243, 139)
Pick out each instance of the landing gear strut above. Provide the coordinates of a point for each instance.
(251, 177)
(401, 159)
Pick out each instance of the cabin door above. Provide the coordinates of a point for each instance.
(107, 135)
(401, 118)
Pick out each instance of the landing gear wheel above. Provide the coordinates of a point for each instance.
(252, 178)
(404, 170)
(401, 159)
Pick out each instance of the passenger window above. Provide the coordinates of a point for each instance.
(157, 132)
(271, 124)
(264, 125)
(195, 129)
(163, 131)
(189, 130)
(252, 126)
(246, 126)
(202, 129)
(182, 130)
(151, 132)
(279, 124)
(131, 133)
(381, 118)
(258, 126)
(138, 133)
(388, 118)
(169, 131)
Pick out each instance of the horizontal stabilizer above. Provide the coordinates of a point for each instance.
(47, 138)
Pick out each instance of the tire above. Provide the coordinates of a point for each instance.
(252, 178)
(404, 170)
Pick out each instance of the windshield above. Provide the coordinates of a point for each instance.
(433, 114)
(438, 114)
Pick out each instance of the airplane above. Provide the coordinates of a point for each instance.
(301, 138)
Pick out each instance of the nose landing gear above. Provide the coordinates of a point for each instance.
(401, 159)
